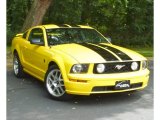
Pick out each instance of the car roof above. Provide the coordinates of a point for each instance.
(50, 26)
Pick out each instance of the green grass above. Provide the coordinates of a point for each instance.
(8, 48)
(147, 52)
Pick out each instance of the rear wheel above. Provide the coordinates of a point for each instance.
(17, 66)
(55, 84)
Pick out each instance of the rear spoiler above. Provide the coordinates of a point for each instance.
(19, 35)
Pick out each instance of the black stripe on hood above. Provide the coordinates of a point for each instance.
(102, 52)
(119, 53)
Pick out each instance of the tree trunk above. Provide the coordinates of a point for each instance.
(36, 13)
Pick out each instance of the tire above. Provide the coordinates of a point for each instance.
(17, 67)
(55, 85)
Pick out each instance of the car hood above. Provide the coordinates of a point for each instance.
(97, 53)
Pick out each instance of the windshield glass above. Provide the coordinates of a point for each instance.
(73, 35)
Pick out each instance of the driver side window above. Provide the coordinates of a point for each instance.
(37, 34)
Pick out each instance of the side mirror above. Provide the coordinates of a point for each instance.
(36, 41)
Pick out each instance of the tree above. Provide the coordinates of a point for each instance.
(36, 13)
(127, 22)
(16, 13)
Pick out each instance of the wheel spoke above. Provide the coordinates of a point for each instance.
(52, 76)
(60, 85)
(50, 82)
(56, 74)
(58, 91)
(60, 78)
(54, 89)
(60, 75)
(62, 90)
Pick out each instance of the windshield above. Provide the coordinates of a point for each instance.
(73, 35)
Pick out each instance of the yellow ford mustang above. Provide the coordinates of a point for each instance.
(77, 60)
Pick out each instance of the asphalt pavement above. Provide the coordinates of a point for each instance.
(27, 100)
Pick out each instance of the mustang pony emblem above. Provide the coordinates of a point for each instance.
(119, 66)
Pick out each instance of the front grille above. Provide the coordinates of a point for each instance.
(116, 67)
(112, 88)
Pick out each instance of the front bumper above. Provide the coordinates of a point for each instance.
(86, 84)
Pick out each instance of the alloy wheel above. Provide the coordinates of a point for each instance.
(54, 83)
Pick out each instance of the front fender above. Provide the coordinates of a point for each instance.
(60, 62)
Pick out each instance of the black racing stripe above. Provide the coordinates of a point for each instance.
(119, 53)
(102, 52)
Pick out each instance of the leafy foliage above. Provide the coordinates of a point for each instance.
(127, 22)
(16, 14)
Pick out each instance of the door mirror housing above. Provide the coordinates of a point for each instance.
(37, 41)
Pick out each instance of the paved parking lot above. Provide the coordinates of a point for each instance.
(28, 100)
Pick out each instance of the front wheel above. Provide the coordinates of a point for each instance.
(54, 84)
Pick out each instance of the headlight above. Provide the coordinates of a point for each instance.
(79, 68)
(100, 68)
(144, 64)
(134, 66)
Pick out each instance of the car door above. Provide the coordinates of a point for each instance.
(23, 46)
(36, 54)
